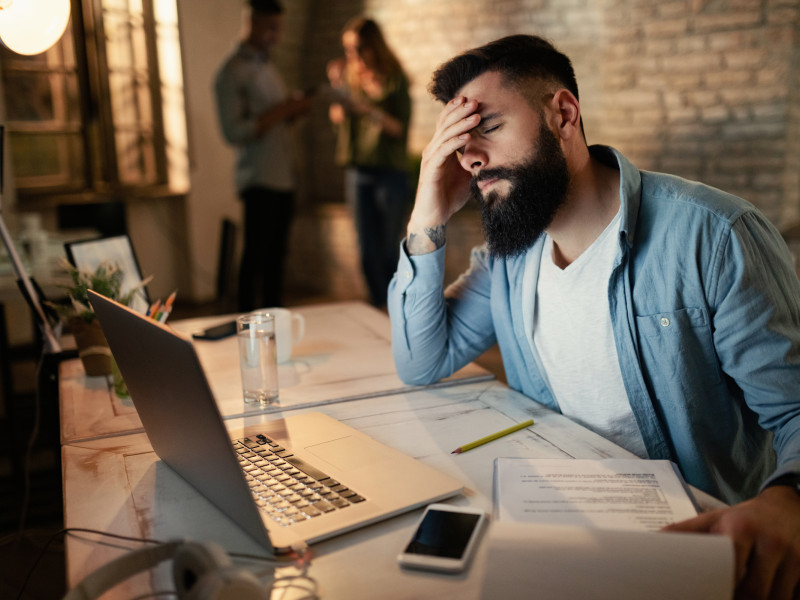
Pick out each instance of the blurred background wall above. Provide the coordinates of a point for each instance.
(706, 89)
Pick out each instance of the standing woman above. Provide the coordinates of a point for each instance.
(372, 114)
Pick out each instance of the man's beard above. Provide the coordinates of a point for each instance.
(538, 187)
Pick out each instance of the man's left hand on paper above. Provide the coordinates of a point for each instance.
(766, 539)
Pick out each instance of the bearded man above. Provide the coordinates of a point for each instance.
(661, 313)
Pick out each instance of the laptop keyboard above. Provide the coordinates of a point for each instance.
(286, 487)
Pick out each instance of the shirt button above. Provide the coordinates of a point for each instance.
(664, 322)
(408, 274)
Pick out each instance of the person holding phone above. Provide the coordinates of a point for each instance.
(255, 113)
(661, 313)
(372, 111)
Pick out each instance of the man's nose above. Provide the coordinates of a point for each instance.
(473, 157)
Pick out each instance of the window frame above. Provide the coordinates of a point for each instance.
(101, 175)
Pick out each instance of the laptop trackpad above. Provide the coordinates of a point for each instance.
(349, 452)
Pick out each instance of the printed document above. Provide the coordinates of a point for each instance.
(575, 529)
(625, 494)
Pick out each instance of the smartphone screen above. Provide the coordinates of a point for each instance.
(443, 540)
(443, 533)
(216, 332)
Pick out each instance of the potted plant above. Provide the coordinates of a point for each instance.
(77, 313)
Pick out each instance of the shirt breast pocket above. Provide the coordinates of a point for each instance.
(678, 346)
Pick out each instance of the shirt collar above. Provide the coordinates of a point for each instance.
(630, 187)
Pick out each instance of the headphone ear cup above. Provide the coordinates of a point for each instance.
(103, 579)
(228, 584)
(193, 560)
(203, 571)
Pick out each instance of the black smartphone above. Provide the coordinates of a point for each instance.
(217, 332)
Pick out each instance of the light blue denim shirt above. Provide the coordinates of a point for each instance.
(705, 307)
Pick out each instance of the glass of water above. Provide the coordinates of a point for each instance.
(258, 357)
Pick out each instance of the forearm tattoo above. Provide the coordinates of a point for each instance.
(436, 235)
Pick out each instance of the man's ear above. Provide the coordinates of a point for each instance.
(566, 113)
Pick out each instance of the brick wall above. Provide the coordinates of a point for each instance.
(705, 89)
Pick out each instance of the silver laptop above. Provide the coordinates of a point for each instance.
(303, 478)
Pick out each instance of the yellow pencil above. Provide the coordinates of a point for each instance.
(492, 437)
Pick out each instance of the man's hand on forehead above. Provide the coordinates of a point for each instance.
(443, 187)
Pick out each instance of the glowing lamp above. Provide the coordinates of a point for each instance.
(32, 26)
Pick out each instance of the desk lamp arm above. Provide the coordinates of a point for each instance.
(51, 344)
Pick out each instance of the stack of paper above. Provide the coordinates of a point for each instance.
(576, 529)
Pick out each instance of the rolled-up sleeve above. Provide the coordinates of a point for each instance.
(435, 333)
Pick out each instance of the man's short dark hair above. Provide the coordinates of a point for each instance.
(266, 7)
(520, 58)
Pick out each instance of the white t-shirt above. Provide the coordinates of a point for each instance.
(571, 335)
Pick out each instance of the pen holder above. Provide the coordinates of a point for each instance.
(92, 347)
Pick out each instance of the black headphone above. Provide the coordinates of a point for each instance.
(201, 571)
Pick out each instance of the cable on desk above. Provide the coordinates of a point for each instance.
(301, 556)
(26, 471)
(36, 562)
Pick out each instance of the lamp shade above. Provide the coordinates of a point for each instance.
(32, 26)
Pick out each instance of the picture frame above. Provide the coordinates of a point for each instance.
(89, 254)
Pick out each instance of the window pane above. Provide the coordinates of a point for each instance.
(47, 159)
(43, 117)
(131, 94)
(32, 99)
(136, 157)
(172, 94)
(130, 102)
(135, 132)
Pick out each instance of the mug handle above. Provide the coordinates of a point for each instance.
(301, 327)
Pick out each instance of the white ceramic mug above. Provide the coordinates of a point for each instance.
(290, 327)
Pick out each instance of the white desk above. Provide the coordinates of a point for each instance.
(345, 355)
(118, 485)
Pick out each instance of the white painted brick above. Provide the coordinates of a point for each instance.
(693, 62)
(751, 58)
(728, 40)
(728, 78)
(753, 95)
(771, 76)
(651, 118)
(677, 8)
(682, 115)
(770, 112)
(637, 98)
(726, 20)
(660, 46)
(691, 43)
(687, 167)
(714, 114)
(753, 130)
(701, 98)
(666, 28)
(784, 15)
